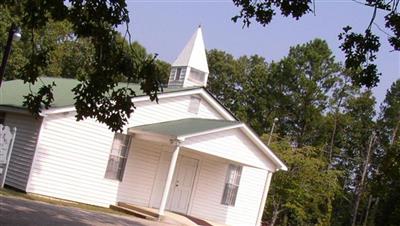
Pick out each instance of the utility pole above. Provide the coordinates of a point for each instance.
(272, 130)
(14, 33)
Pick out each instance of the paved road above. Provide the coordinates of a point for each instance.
(15, 212)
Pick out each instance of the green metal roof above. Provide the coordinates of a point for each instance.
(12, 92)
(184, 127)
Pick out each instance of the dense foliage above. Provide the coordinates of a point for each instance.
(78, 39)
(304, 194)
(359, 48)
(343, 161)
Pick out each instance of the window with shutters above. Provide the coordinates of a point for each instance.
(231, 185)
(118, 156)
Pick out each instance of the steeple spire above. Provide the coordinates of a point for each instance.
(190, 68)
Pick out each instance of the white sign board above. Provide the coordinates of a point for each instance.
(5, 141)
(6, 144)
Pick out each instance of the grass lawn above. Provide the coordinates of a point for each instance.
(12, 193)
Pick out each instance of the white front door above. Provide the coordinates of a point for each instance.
(182, 184)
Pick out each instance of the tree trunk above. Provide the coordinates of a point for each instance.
(394, 134)
(274, 217)
(375, 208)
(367, 211)
(285, 220)
(332, 140)
(275, 212)
(335, 126)
(360, 187)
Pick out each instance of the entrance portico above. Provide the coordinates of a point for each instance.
(229, 141)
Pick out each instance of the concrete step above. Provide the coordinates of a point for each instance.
(135, 213)
(138, 209)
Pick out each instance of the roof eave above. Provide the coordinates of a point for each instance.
(208, 96)
(15, 109)
(62, 109)
(220, 103)
(278, 163)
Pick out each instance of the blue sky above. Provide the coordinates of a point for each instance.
(164, 27)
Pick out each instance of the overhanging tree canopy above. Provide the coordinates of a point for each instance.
(359, 48)
(94, 21)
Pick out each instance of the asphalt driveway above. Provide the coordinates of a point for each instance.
(16, 211)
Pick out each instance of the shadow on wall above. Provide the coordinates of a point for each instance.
(23, 149)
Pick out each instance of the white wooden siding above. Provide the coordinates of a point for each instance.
(72, 156)
(206, 202)
(24, 148)
(207, 111)
(71, 160)
(140, 172)
(160, 180)
(248, 200)
(169, 109)
(231, 144)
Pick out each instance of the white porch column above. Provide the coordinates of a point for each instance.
(171, 171)
(264, 198)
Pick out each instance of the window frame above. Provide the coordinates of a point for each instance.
(119, 156)
(232, 183)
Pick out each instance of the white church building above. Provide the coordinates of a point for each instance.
(187, 154)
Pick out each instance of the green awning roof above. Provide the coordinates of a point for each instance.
(12, 92)
(185, 127)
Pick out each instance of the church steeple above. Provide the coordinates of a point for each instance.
(190, 68)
